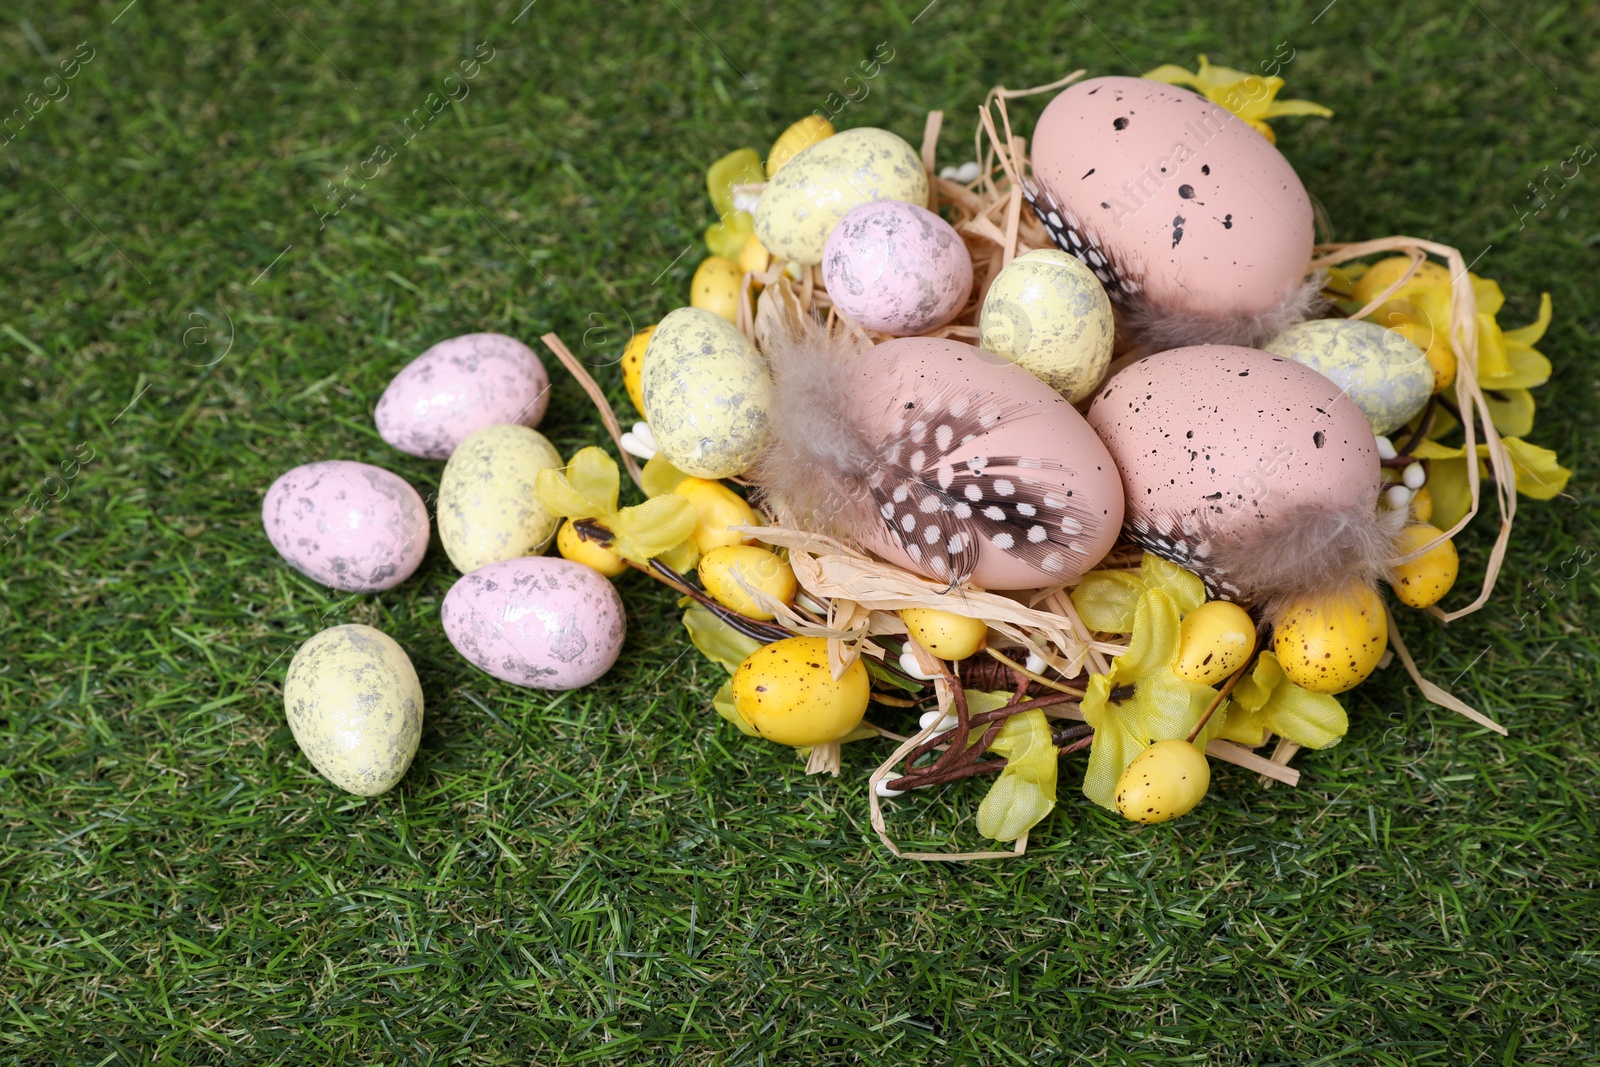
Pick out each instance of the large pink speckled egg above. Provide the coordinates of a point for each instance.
(348, 525)
(458, 387)
(896, 268)
(536, 621)
(1166, 194)
(985, 470)
(1219, 442)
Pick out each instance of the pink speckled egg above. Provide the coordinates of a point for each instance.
(896, 268)
(536, 621)
(984, 467)
(348, 525)
(1166, 194)
(1219, 442)
(458, 387)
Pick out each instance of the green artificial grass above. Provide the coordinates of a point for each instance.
(614, 874)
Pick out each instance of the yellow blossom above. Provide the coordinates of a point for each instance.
(1250, 96)
(1265, 702)
(1142, 700)
(1537, 471)
(587, 489)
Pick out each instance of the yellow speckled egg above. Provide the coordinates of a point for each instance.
(753, 255)
(817, 187)
(706, 393)
(797, 138)
(719, 508)
(715, 287)
(944, 633)
(633, 364)
(787, 692)
(355, 707)
(1387, 376)
(575, 547)
(1331, 644)
(728, 570)
(487, 508)
(1214, 640)
(1047, 313)
(1425, 580)
(1164, 781)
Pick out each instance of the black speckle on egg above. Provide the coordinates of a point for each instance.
(1119, 123)
(1319, 438)
(1186, 191)
(1205, 168)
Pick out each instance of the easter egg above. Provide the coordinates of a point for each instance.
(819, 185)
(458, 387)
(633, 366)
(348, 525)
(537, 621)
(896, 268)
(799, 136)
(1047, 313)
(488, 510)
(1330, 644)
(1388, 377)
(715, 287)
(355, 707)
(705, 392)
(788, 693)
(1170, 197)
(1233, 445)
(984, 467)
(1214, 640)
(1166, 780)
(944, 633)
(730, 571)
(1424, 581)
(572, 545)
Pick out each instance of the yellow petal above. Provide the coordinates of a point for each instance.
(1512, 411)
(1248, 728)
(1487, 292)
(1447, 485)
(1249, 97)
(1538, 473)
(1314, 720)
(1106, 600)
(1434, 450)
(1172, 74)
(1263, 129)
(1184, 587)
(593, 473)
(556, 493)
(1529, 368)
(716, 640)
(1296, 107)
(1532, 333)
(1026, 789)
(660, 476)
(1493, 361)
(1217, 77)
(652, 528)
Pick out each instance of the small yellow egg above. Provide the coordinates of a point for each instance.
(1164, 781)
(1214, 640)
(1422, 505)
(706, 391)
(753, 255)
(716, 287)
(487, 509)
(740, 167)
(633, 365)
(726, 237)
(722, 570)
(1386, 272)
(1332, 644)
(787, 692)
(719, 508)
(589, 553)
(943, 633)
(1425, 580)
(800, 135)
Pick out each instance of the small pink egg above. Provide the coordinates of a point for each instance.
(896, 268)
(458, 387)
(348, 525)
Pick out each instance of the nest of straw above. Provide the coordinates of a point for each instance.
(861, 595)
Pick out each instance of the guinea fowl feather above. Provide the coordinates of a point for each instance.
(857, 468)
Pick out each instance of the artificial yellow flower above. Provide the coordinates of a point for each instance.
(1250, 96)
(662, 527)
(1025, 792)
(1106, 600)
(1142, 700)
(1265, 702)
(1537, 471)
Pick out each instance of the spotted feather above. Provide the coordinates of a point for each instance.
(1073, 237)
